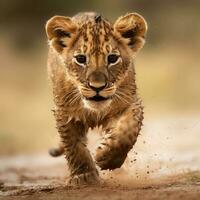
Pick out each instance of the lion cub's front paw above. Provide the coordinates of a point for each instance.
(109, 158)
(89, 178)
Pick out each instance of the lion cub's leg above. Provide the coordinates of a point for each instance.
(80, 162)
(121, 135)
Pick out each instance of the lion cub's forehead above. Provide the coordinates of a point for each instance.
(96, 35)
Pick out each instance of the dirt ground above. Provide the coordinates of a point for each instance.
(186, 192)
(164, 164)
(24, 178)
(49, 183)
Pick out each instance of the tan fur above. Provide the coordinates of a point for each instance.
(120, 114)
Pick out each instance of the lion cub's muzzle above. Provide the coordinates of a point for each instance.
(98, 91)
(97, 81)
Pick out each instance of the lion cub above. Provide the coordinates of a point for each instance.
(91, 67)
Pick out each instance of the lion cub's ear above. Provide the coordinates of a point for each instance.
(131, 28)
(60, 31)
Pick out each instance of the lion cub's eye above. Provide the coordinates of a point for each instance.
(81, 59)
(112, 58)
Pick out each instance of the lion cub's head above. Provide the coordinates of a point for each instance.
(97, 54)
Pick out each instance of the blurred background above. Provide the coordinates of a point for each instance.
(168, 70)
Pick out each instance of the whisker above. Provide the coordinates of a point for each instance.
(128, 97)
(109, 89)
(69, 95)
(121, 98)
(85, 89)
(74, 99)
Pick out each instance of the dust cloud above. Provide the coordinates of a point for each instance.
(166, 149)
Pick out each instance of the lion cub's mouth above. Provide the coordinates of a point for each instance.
(97, 98)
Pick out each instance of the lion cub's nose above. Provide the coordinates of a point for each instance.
(97, 81)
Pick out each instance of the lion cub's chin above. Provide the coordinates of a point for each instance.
(96, 105)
